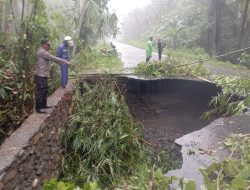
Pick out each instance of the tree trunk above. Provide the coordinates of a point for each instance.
(78, 31)
(246, 36)
(217, 7)
(22, 14)
(2, 16)
(243, 23)
(8, 18)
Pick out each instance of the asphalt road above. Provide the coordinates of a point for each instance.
(132, 56)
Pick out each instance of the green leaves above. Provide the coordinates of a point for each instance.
(91, 186)
(171, 66)
(60, 185)
(17, 60)
(96, 22)
(93, 62)
(239, 183)
(234, 98)
(234, 172)
(101, 140)
(190, 185)
(3, 93)
(55, 185)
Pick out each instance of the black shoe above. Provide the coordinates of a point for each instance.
(41, 111)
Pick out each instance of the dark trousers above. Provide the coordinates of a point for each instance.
(41, 92)
(159, 54)
(148, 58)
(64, 75)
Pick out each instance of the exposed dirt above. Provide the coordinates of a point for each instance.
(167, 117)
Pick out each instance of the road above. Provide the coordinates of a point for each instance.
(132, 56)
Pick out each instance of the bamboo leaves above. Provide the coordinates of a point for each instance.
(234, 98)
(101, 136)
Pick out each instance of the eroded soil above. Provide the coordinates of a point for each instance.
(166, 117)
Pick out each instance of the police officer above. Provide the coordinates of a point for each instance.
(42, 73)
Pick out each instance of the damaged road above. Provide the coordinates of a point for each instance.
(201, 148)
(170, 111)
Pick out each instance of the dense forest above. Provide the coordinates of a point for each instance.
(22, 25)
(217, 26)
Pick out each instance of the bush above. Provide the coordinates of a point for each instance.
(101, 141)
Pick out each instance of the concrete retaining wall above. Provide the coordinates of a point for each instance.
(32, 154)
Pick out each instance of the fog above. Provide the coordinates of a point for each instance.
(122, 8)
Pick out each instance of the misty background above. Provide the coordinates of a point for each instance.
(213, 26)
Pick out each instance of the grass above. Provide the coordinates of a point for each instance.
(92, 62)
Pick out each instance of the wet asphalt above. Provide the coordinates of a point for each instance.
(132, 56)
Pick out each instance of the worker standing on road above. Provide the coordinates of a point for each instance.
(149, 49)
(63, 53)
(160, 46)
(42, 73)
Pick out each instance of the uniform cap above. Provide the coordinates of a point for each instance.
(45, 41)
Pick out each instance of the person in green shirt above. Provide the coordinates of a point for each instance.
(149, 49)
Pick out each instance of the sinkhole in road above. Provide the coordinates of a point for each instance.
(168, 108)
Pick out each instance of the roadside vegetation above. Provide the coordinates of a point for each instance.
(103, 146)
(22, 25)
(105, 149)
(92, 61)
(171, 67)
(101, 140)
(191, 55)
(17, 59)
(232, 100)
(233, 172)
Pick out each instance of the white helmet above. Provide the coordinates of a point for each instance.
(69, 40)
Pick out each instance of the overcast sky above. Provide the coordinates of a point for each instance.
(122, 7)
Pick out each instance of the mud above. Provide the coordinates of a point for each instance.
(166, 117)
(168, 109)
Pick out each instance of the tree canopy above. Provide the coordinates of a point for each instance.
(217, 26)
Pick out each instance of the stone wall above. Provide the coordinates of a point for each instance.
(32, 154)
